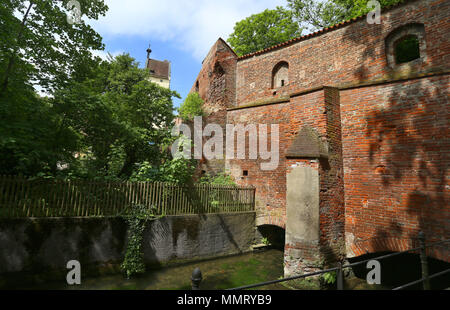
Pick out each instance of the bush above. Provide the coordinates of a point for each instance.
(191, 107)
(218, 179)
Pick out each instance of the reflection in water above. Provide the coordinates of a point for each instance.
(220, 273)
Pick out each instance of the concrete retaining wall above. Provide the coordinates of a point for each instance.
(45, 245)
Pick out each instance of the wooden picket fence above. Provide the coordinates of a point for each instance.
(20, 197)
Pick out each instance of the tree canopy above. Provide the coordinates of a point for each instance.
(101, 119)
(39, 48)
(123, 118)
(263, 30)
(192, 106)
(36, 36)
(271, 27)
(320, 14)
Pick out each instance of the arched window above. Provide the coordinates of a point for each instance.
(280, 75)
(406, 44)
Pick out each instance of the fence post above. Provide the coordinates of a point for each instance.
(340, 277)
(196, 278)
(424, 261)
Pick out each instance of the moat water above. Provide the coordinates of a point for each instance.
(246, 269)
(220, 273)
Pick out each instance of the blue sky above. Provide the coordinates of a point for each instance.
(181, 31)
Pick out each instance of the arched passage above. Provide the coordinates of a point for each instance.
(274, 235)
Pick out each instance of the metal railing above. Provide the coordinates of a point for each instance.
(340, 268)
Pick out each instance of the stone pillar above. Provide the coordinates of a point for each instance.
(302, 247)
(315, 193)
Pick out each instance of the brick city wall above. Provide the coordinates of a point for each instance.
(385, 126)
(216, 85)
(396, 157)
(351, 53)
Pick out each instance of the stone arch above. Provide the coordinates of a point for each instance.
(412, 30)
(280, 74)
(275, 234)
(268, 219)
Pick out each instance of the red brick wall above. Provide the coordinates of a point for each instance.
(396, 148)
(389, 143)
(350, 54)
(216, 85)
(291, 116)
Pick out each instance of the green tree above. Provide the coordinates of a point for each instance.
(320, 14)
(316, 15)
(221, 178)
(260, 31)
(191, 107)
(33, 138)
(124, 118)
(38, 47)
(36, 35)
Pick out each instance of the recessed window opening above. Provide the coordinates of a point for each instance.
(407, 49)
(280, 74)
(406, 45)
(245, 173)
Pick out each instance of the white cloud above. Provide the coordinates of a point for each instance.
(193, 24)
(104, 54)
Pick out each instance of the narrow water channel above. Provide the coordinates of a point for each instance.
(220, 273)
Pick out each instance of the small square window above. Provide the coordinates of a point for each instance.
(245, 173)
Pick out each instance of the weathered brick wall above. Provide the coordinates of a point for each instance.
(386, 128)
(349, 54)
(332, 209)
(271, 185)
(396, 147)
(216, 85)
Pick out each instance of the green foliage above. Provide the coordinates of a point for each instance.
(329, 277)
(357, 8)
(265, 241)
(43, 37)
(191, 107)
(320, 14)
(216, 197)
(39, 48)
(263, 30)
(178, 171)
(217, 179)
(125, 119)
(101, 119)
(136, 218)
(33, 138)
